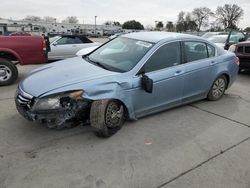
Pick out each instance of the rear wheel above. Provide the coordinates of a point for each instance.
(218, 88)
(8, 72)
(106, 117)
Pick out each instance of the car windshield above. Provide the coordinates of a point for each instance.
(52, 39)
(218, 39)
(120, 54)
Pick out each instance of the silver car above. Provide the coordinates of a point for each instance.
(66, 46)
(129, 77)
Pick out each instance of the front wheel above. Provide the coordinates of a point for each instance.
(218, 88)
(8, 72)
(106, 117)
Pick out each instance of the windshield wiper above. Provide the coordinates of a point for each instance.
(95, 62)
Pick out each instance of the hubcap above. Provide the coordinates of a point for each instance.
(219, 87)
(5, 73)
(114, 115)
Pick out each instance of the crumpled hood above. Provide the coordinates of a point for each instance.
(60, 74)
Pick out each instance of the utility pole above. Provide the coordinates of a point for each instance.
(95, 25)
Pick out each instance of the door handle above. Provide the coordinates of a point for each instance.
(178, 72)
(73, 45)
(212, 62)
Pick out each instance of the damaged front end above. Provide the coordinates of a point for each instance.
(56, 111)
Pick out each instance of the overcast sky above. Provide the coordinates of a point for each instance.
(145, 11)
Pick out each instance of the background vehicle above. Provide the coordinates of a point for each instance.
(85, 51)
(233, 37)
(115, 35)
(242, 51)
(211, 34)
(66, 46)
(219, 40)
(20, 34)
(19, 49)
(129, 77)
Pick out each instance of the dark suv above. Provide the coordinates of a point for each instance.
(242, 51)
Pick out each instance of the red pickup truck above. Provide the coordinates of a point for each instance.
(21, 50)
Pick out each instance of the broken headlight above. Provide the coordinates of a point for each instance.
(57, 101)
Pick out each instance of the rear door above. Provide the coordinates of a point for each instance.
(199, 60)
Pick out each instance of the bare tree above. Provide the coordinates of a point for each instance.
(71, 19)
(185, 22)
(201, 16)
(229, 15)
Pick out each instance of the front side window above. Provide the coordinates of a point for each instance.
(166, 56)
(120, 54)
(195, 51)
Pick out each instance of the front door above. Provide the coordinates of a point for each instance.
(165, 69)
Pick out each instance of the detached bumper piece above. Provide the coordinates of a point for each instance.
(62, 118)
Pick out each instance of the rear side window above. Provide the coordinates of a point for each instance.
(247, 49)
(166, 56)
(211, 50)
(198, 50)
(195, 51)
(240, 49)
(85, 40)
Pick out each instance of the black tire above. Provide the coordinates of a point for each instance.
(240, 70)
(218, 88)
(8, 72)
(101, 119)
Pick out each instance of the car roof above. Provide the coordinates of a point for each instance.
(219, 36)
(247, 42)
(156, 36)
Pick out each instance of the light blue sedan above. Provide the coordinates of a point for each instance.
(129, 77)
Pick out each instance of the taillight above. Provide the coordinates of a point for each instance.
(232, 48)
(237, 61)
(44, 45)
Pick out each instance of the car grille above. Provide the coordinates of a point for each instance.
(24, 98)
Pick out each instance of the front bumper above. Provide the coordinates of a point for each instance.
(63, 117)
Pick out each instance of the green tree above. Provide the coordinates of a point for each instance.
(229, 15)
(132, 24)
(159, 25)
(170, 26)
(201, 16)
(33, 18)
(71, 19)
(247, 29)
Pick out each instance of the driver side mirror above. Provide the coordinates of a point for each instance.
(55, 43)
(147, 83)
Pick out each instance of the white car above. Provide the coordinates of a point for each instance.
(85, 51)
(66, 46)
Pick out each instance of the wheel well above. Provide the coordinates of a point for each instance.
(227, 77)
(125, 107)
(8, 55)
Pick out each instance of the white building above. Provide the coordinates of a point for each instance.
(62, 28)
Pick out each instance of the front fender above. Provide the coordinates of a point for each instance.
(102, 90)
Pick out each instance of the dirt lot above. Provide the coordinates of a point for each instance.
(204, 144)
